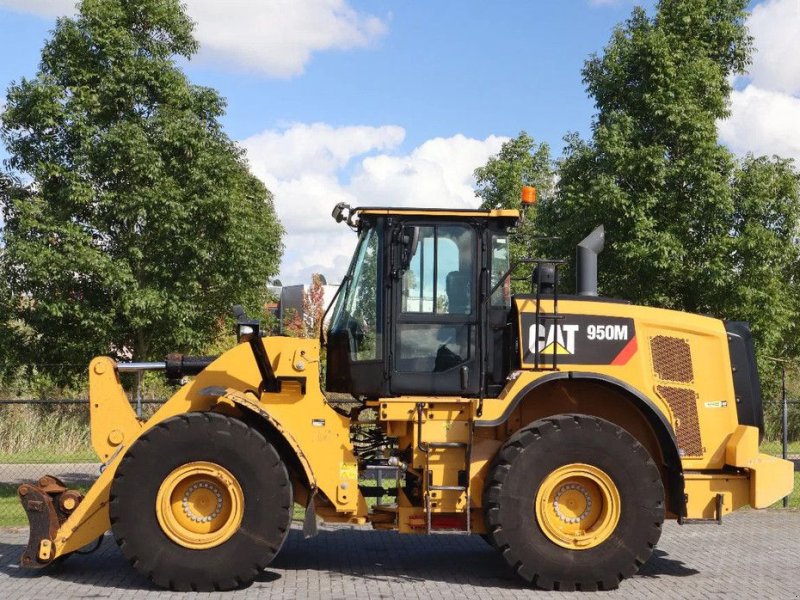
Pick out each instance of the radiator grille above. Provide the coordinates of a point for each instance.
(683, 404)
(672, 359)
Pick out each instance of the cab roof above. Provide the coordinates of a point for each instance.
(495, 213)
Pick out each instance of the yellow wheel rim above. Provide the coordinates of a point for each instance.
(200, 505)
(578, 506)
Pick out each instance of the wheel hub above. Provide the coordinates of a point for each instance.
(572, 495)
(199, 496)
(200, 505)
(578, 506)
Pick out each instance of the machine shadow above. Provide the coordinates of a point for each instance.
(661, 565)
(105, 568)
(456, 559)
(341, 552)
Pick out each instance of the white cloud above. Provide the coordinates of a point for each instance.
(43, 8)
(775, 27)
(763, 122)
(286, 153)
(765, 113)
(437, 173)
(310, 168)
(276, 38)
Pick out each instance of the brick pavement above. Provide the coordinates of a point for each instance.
(755, 554)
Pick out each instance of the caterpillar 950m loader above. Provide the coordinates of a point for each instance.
(563, 429)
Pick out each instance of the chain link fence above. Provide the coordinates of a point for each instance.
(46, 437)
(51, 437)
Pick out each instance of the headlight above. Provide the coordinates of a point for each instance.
(245, 332)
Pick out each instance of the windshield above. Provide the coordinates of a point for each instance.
(356, 310)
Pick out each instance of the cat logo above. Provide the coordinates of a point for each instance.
(555, 339)
(578, 340)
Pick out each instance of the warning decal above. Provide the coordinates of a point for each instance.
(578, 339)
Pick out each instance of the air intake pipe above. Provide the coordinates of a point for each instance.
(586, 261)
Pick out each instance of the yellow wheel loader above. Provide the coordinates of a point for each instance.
(564, 429)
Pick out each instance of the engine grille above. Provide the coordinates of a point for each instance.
(683, 404)
(672, 359)
(672, 364)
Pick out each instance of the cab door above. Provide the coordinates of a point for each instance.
(435, 309)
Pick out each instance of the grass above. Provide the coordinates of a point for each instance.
(11, 513)
(48, 456)
(775, 447)
(44, 433)
(48, 433)
(794, 497)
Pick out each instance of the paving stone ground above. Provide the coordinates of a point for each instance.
(754, 554)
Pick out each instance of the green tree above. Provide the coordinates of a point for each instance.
(521, 161)
(142, 223)
(687, 225)
(7, 344)
(654, 173)
(765, 255)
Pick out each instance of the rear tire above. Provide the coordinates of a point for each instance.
(574, 502)
(252, 501)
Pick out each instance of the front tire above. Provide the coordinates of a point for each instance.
(574, 502)
(201, 502)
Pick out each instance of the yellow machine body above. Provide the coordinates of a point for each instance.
(703, 418)
(315, 432)
(666, 378)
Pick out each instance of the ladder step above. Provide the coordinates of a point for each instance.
(447, 445)
(453, 488)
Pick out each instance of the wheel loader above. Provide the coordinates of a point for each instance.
(563, 429)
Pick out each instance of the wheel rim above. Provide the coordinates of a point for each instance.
(578, 506)
(200, 505)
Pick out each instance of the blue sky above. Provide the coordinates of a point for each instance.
(389, 102)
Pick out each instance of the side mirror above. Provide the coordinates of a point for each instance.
(338, 212)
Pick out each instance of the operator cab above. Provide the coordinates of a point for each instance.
(410, 317)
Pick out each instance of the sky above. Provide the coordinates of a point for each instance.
(390, 102)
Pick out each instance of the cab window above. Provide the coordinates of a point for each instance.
(440, 274)
(357, 309)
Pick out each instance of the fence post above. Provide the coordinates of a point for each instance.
(138, 394)
(785, 422)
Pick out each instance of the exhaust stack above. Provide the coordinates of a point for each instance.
(586, 261)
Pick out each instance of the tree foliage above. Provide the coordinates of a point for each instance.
(687, 225)
(765, 256)
(654, 173)
(521, 161)
(141, 223)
